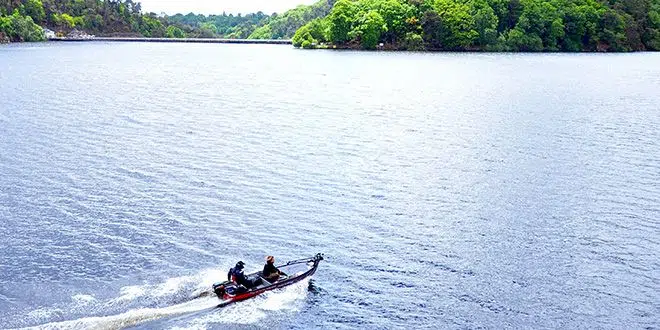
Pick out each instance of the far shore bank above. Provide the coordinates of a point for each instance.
(381, 48)
(178, 40)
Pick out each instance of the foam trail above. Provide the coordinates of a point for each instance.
(193, 290)
(254, 310)
(134, 304)
(132, 317)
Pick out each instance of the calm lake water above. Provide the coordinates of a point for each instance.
(446, 190)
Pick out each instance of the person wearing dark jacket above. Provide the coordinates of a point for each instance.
(270, 272)
(236, 275)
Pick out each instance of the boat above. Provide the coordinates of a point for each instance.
(296, 270)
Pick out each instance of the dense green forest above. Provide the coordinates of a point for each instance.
(285, 26)
(252, 26)
(20, 20)
(492, 25)
(217, 26)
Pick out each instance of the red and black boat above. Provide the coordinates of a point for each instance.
(295, 270)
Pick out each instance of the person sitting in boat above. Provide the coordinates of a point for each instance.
(237, 276)
(271, 273)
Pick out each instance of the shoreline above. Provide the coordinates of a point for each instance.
(177, 40)
(289, 42)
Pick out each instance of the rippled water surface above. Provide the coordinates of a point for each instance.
(447, 190)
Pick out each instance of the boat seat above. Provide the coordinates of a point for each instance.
(265, 281)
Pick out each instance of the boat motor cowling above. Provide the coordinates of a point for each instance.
(219, 289)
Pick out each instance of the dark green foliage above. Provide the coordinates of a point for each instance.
(175, 32)
(152, 27)
(495, 25)
(499, 25)
(653, 29)
(20, 28)
(517, 40)
(226, 26)
(413, 42)
(457, 25)
(125, 18)
(612, 27)
(432, 29)
(396, 15)
(341, 20)
(485, 22)
(34, 9)
(285, 25)
(315, 32)
(92, 16)
(369, 29)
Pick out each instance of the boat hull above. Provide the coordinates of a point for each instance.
(229, 292)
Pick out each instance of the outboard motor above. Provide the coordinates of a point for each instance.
(225, 288)
(219, 289)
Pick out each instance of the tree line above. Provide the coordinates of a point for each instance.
(285, 26)
(473, 25)
(20, 20)
(490, 25)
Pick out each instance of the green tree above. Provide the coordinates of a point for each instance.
(341, 19)
(35, 9)
(557, 32)
(413, 42)
(152, 27)
(485, 22)
(433, 32)
(67, 20)
(501, 10)
(581, 24)
(519, 41)
(653, 34)
(457, 24)
(303, 34)
(79, 21)
(638, 25)
(369, 29)
(175, 32)
(536, 21)
(513, 11)
(285, 25)
(395, 13)
(263, 32)
(6, 29)
(93, 22)
(21, 28)
(207, 30)
(315, 32)
(611, 35)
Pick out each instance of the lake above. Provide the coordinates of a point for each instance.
(447, 190)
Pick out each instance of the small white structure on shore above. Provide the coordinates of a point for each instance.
(50, 34)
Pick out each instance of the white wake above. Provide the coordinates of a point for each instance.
(179, 296)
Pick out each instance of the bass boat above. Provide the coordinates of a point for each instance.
(295, 270)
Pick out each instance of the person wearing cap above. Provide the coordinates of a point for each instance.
(271, 273)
